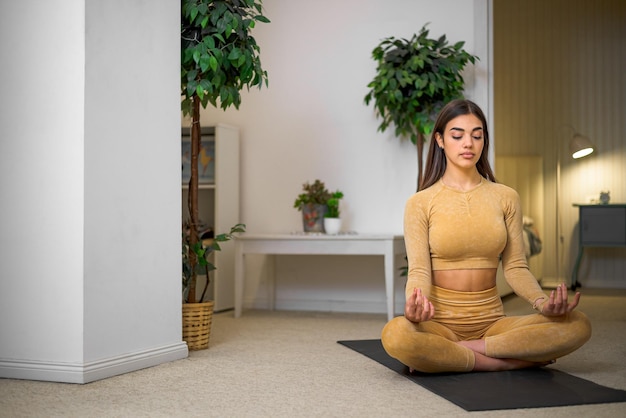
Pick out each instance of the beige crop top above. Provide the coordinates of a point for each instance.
(448, 229)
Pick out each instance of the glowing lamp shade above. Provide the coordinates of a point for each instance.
(580, 146)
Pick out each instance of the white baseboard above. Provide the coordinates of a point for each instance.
(315, 305)
(91, 371)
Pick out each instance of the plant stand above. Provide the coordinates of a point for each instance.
(197, 319)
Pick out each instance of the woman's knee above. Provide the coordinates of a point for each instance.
(394, 334)
(582, 326)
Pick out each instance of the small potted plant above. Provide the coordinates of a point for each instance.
(313, 204)
(332, 220)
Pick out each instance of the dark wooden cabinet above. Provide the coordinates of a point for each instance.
(600, 226)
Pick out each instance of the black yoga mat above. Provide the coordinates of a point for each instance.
(526, 388)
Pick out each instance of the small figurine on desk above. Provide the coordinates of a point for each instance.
(605, 197)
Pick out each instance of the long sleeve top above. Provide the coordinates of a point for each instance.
(449, 229)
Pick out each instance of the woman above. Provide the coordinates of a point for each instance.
(457, 228)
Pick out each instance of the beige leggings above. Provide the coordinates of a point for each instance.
(431, 347)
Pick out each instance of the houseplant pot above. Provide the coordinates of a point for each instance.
(313, 217)
(197, 318)
(332, 226)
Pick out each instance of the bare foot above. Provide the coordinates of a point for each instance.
(489, 364)
(477, 346)
(485, 363)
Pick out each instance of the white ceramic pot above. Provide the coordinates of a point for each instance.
(332, 225)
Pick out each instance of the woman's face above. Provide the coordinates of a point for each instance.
(462, 141)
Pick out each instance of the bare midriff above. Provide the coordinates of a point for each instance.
(468, 280)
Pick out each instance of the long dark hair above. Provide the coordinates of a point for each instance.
(436, 161)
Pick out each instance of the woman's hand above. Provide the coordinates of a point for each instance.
(418, 308)
(557, 304)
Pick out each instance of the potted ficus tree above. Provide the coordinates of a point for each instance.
(414, 79)
(219, 57)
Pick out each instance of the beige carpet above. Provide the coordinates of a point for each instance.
(288, 364)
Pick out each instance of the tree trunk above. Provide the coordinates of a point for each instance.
(193, 198)
(420, 152)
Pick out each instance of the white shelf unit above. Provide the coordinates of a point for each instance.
(218, 204)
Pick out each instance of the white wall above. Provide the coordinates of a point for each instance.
(41, 173)
(312, 123)
(132, 211)
(89, 166)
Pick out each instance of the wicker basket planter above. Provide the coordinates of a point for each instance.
(197, 319)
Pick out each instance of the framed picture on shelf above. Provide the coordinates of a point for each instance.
(206, 158)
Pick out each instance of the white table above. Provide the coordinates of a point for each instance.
(389, 246)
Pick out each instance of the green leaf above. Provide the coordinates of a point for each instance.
(218, 54)
(206, 86)
(203, 8)
(187, 57)
(191, 88)
(186, 106)
(205, 62)
(234, 54)
(213, 62)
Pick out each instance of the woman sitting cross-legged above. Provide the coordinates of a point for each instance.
(457, 228)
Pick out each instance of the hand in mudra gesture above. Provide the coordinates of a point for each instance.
(418, 308)
(557, 303)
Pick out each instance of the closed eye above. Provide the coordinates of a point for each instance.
(477, 138)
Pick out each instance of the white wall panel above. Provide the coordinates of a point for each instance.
(560, 63)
